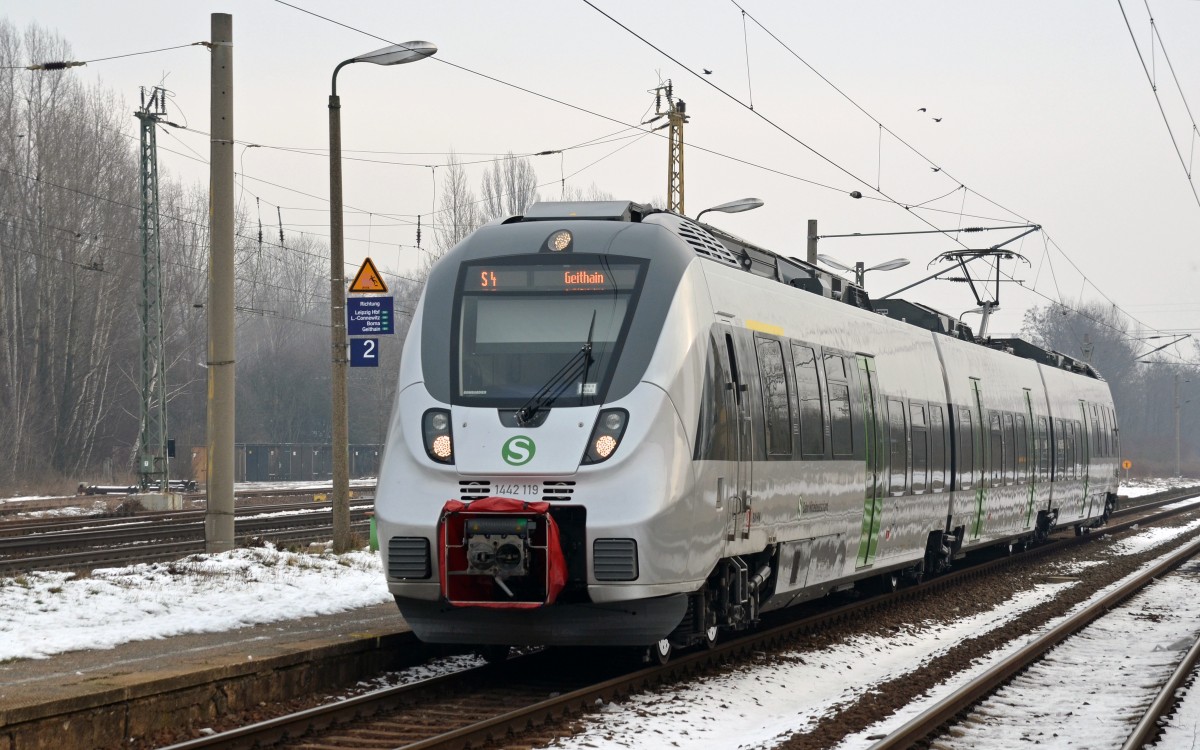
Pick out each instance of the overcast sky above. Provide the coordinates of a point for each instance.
(1045, 109)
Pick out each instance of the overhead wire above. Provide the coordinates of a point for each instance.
(1154, 89)
(1049, 240)
(74, 63)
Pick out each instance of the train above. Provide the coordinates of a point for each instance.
(617, 426)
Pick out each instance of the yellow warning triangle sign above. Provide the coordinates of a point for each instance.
(368, 279)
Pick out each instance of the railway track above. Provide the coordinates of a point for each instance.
(1149, 726)
(928, 722)
(163, 536)
(486, 706)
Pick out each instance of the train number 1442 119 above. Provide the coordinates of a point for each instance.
(523, 490)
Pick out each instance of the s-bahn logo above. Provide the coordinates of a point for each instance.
(518, 451)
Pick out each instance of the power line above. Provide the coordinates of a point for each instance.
(1154, 89)
(76, 63)
(930, 161)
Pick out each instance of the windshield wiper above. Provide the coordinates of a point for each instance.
(579, 364)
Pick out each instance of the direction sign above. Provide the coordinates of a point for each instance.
(370, 316)
(364, 352)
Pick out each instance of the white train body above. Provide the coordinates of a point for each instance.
(771, 441)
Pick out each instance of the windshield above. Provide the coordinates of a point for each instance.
(547, 327)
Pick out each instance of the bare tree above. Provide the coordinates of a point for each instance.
(509, 186)
(458, 209)
(591, 193)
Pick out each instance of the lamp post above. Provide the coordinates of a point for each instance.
(396, 54)
(733, 207)
(859, 271)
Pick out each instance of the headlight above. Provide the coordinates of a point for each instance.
(439, 443)
(606, 435)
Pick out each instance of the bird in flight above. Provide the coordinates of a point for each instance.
(921, 109)
(707, 72)
(937, 119)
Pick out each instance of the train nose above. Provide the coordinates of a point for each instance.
(484, 445)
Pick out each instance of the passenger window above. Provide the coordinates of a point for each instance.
(839, 420)
(1010, 454)
(1022, 450)
(1043, 448)
(808, 394)
(1073, 448)
(1080, 450)
(776, 411)
(937, 449)
(897, 447)
(1060, 450)
(966, 450)
(996, 452)
(920, 448)
(835, 367)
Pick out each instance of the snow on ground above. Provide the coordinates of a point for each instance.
(367, 482)
(1140, 487)
(1091, 690)
(756, 707)
(70, 511)
(42, 614)
(1182, 729)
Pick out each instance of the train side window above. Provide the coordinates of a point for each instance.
(937, 449)
(840, 433)
(1080, 450)
(808, 393)
(835, 367)
(1116, 432)
(966, 450)
(1043, 448)
(897, 447)
(1112, 433)
(996, 452)
(1060, 450)
(1069, 441)
(776, 411)
(1010, 453)
(920, 448)
(1022, 450)
(1108, 432)
(715, 437)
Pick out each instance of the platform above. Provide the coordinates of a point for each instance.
(105, 698)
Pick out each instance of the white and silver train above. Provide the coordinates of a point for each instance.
(617, 426)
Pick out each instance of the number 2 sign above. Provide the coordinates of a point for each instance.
(364, 352)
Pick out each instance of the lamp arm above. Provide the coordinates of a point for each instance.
(342, 64)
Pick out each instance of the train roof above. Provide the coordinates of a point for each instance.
(727, 249)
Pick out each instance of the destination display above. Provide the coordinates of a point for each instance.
(543, 278)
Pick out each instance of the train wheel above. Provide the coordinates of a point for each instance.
(660, 653)
(710, 637)
(494, 654)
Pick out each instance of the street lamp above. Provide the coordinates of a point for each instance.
(396, 54)
(733, 207)
(859, 271)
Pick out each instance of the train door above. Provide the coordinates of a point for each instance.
(868, 541)
(1030, 457)
(980, 452)
(1084, 448)
(740, 500)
